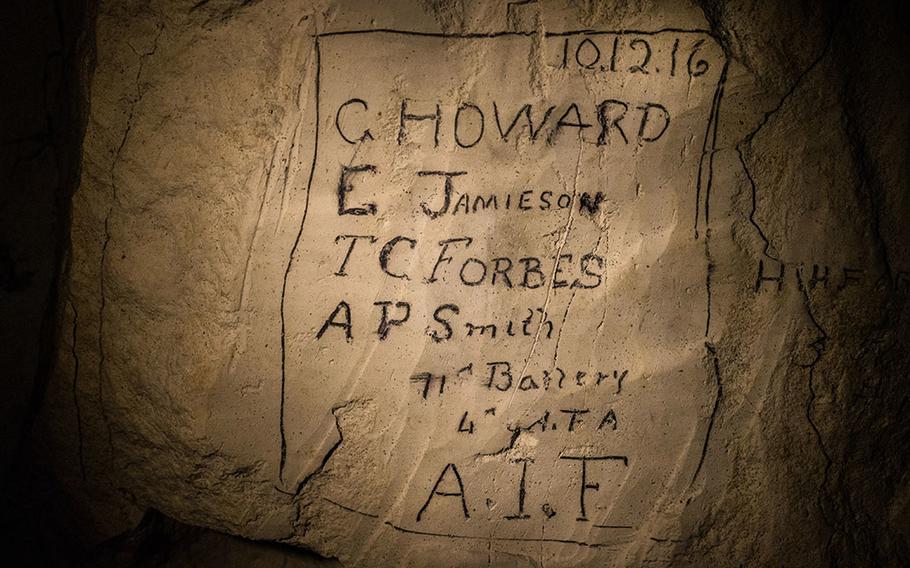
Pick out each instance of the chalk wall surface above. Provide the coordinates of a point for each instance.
(453, 283)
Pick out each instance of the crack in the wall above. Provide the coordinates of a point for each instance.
(546, 305)
(287, 165)
(249, 253)
(102, 355)
(349, 509)
(75, 389)
(770, 252)
(328, 455)
(818, 346)
(513, 439)
(711, 352)
(302, 485)
(767, 249)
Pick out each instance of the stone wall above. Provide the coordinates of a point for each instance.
(530, 283)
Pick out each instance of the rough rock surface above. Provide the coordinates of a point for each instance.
(321, 292)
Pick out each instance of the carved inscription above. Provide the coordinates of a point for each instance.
(501, 262)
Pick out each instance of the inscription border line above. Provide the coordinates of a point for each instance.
(489, 35)
(284, 285)
(530, 540)
(713, 118)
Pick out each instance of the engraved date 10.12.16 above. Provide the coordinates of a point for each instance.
(633, 54)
